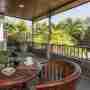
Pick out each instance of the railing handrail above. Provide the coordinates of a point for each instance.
(75, 51)
(79, 46)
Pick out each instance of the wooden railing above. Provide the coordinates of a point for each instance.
(78, 52)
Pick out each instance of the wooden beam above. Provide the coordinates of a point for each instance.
(32, 31)
(49, 36)
(62, 8)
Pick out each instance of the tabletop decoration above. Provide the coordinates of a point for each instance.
(28, 61)
(8, 71)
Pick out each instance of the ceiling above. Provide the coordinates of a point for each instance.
(36, 9)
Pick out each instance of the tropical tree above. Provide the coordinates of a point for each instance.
(41, 34)
(87, 32)
(74, 28)
(24, 31)
(17, 31)
(11, 30)
(22, 26)
(59, 36)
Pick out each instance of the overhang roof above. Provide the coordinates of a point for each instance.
(29, 9)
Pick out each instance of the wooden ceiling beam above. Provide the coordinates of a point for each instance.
(37, 9)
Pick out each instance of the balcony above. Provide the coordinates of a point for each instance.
(77, 54)
(29, 50)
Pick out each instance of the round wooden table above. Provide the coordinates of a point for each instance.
(18, 81)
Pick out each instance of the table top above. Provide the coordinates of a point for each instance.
(23, 74)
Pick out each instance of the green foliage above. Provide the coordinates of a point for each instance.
(3, 57)
(73, 27)
(87, 34)
(16, 31)
(68, 32)
(59, 36)
(41, 35)
(10, 27)
(21, 26)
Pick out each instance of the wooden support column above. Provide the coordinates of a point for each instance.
(49, 36)
(3, 33)
(32, 31)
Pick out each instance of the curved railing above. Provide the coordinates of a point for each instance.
(59, 75)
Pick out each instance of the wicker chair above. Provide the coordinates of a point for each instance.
(59, 75)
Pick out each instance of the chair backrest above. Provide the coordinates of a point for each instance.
(53, 76)
(55, 70)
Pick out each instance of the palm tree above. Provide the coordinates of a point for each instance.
(11, 31)
(59, 36)
(74, 28)
(41, 34)
(87, 33)
(24, 31)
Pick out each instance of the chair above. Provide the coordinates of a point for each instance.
(58, 75)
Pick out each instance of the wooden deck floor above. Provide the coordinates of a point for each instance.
(83, 84)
